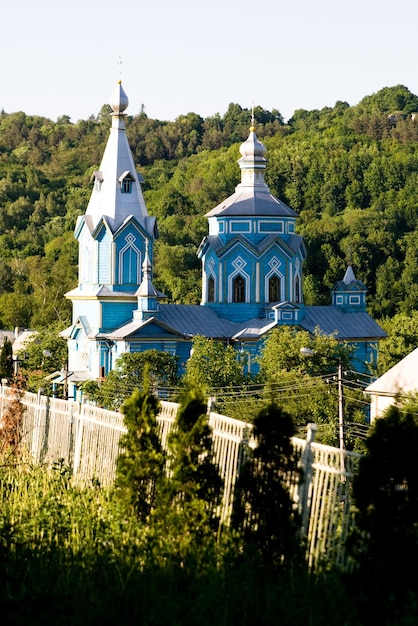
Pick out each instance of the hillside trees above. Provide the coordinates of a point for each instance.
(350, 173)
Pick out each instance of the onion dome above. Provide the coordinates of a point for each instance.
(252, 148)
(119, 100)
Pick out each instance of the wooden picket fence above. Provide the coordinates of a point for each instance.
(86, 438)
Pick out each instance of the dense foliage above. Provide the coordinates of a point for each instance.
(142, 460)
(349, 171)
(264, 511)
(129, 374)
(72, 555)
(386, 494)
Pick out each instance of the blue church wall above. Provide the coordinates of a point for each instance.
(254, 230)
(115, 314)
(104, 257)
(247, 354)
(240, 261)
(129, 254)
(364, 356)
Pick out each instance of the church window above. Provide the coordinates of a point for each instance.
(211, 289)
(126, 185)
(129, 262)
(130, 266)
(274, 289)
(239, 289)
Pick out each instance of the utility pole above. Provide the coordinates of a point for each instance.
(341, 416)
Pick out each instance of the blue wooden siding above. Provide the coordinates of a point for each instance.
(104, 257)
(115, 314)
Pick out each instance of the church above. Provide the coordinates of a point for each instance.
(252, 272)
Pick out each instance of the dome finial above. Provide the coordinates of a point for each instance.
(252, 128)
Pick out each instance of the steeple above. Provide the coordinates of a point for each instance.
(147, 294)
(252, 258)
(117, 193)
(349, 275)
(252, 162)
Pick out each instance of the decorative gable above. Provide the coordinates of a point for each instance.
(285, 313)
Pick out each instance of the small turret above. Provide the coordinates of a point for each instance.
(147, 294)
(349, 293)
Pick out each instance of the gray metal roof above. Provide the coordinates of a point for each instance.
(189, 320)
(252, 201)
(194, 319)
(349, 325)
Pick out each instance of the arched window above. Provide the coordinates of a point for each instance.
(297, 289)
(239, 289)
(274, 289)
(129, 262)
(211, 289)
(130, 266)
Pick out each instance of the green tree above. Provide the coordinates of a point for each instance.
(402, 331)
(15, 310)
(264, 512)
(128, 375)
(6, 360)
(306, 384)
(141, 463)
(45, 352)
(213, 366)
(386, 495)
(190, 497)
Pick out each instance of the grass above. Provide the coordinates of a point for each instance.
(73, 556)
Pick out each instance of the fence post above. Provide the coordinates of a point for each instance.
(305, 489)
(211, 404)
(78, 439)
(36, 438)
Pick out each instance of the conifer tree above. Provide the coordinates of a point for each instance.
(141, 462)
(190, 497)
(385, 488)
(6, 361)
(263, 510)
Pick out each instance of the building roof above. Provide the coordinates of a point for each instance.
(348, 325)
(22, 339)
(252, 196)
(401, 378)
(189, 320)
(251, 201)
(117, 164)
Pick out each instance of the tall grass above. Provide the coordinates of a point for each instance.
(72, 556)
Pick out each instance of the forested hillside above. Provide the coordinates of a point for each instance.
(351, 172)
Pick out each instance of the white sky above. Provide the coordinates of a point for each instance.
(183, 56)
